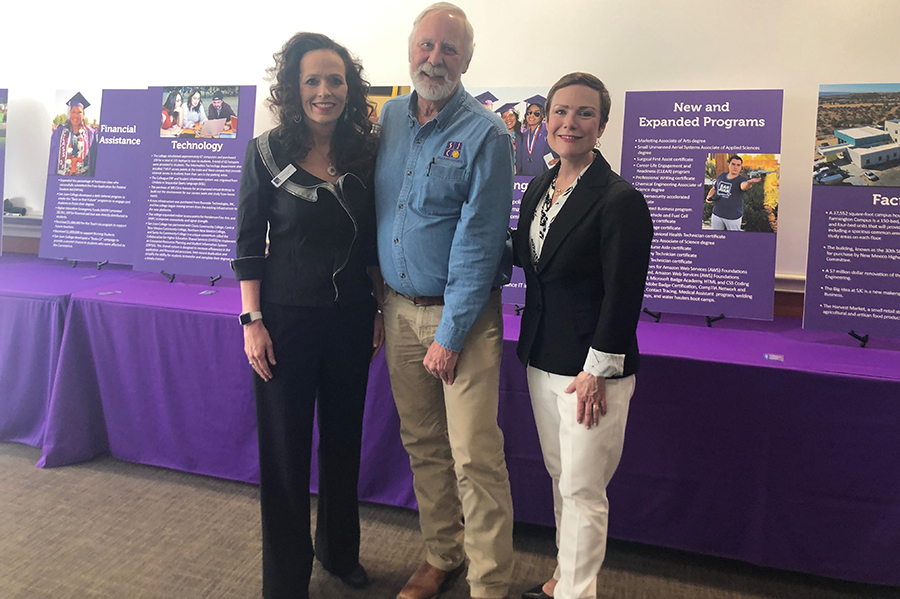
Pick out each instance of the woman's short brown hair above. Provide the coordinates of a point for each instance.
(587, 80)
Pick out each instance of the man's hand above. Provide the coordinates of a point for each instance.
(440, 362)
(378, 335)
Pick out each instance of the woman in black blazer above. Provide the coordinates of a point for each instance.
(583, 240)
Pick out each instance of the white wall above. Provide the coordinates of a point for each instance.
(632, 45)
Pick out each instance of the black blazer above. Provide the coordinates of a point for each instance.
(588, 287)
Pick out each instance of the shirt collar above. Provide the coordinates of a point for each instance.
(444, 117)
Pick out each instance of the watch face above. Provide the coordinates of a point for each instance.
(245, 318)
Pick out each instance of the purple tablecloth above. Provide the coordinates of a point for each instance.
(789, 464)
(34, 296)
(792, 464)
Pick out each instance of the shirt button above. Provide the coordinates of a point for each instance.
(418, 141)
(396, 240)
(408, 173)
(402, 275)
(400, 207)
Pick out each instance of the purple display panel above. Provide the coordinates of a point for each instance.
(853, 266)
(3, 99)
(189, 221)
(514, 292)
(512, 104)
(90, 215)
(676, 145)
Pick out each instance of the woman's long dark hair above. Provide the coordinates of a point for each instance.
(355, 140)
(170, 101)
(191, 99)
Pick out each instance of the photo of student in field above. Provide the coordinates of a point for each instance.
(741, 193)
(73, 148)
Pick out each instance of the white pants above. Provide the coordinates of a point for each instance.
(581, 462)
(725, 224)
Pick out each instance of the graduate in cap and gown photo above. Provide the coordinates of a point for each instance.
(487, 100)
(73, 152)
(509, 115)
(532, 154)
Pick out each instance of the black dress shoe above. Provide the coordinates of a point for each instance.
(536, 593)
(356, 578)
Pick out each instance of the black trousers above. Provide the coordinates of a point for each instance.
(322, 357)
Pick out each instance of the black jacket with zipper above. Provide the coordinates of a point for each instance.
(321, 236)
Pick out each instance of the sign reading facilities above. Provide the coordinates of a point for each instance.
(853, 267)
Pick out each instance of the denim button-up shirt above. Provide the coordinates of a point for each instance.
(443, 194)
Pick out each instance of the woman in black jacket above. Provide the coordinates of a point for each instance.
(311, 322)
(583, 240)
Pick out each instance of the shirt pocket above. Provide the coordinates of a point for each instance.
(455, 172)
(445, 191)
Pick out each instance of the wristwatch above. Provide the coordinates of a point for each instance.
(248, 317)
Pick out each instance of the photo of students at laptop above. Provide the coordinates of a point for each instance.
(219, 119)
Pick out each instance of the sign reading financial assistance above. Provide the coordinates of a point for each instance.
(96, 175)
(708, 164)
(853, 267)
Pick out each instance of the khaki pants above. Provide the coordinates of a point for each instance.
(454, 443)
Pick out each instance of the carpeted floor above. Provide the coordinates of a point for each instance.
(113, 530)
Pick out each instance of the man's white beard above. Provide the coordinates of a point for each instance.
(430, 90)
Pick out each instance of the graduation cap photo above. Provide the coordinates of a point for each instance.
(487, 99)
(78, 100)
(73, 145)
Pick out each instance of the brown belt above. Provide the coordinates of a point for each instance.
(425, 300)
(430, 300)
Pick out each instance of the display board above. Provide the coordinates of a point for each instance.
(189, 225)
(522, 109)
(4, 95)
(147, 177)
(708, 164)
(96, 175)
(853, 266)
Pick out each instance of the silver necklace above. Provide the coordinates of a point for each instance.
(332, 172)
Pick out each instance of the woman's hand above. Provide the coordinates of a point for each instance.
(259, 350)
(591, 393)
(378, 336)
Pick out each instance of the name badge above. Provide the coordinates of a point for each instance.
(283, 176)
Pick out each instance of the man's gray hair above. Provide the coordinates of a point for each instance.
(454, 9)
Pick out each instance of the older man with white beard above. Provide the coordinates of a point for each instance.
(443, 190)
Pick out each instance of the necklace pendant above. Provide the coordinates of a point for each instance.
(332, 171)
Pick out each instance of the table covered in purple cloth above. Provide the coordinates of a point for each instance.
(792, 463)
(34, 295)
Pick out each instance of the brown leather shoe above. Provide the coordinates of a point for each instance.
(428, 582)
